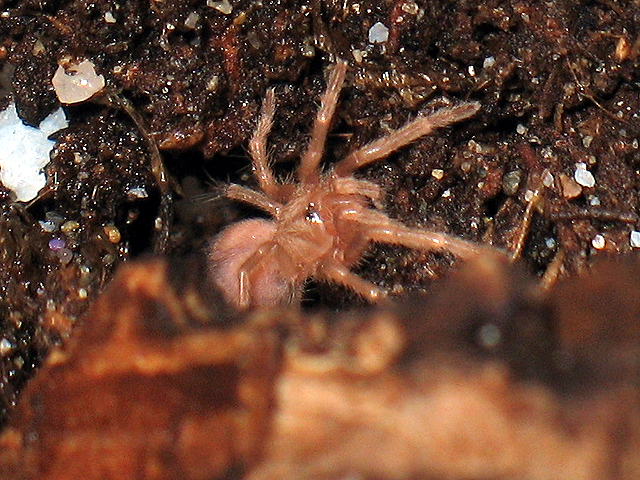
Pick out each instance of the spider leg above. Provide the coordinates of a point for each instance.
(308, 168)
(258, 146)
(252, 197)
(356, 186)
(411, 131)
(380, 228)
(338, 273)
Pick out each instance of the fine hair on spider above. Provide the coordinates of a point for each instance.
(321, 221)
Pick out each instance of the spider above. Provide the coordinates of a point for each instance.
(323, 223)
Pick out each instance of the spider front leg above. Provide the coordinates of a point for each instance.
(411, 131)
(380, 228)
(258, 146)
(257, 199)
(308, 168)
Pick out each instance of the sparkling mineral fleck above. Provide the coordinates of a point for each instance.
(410, 8)
(5, 346)
(529, 195)
(65, 255)
(223, 6)
(583, 176)
(56, 244)
(437, 173)
(488, 62)
(47, 226)
(69, 226)
(511, 182)
(212, 84)
(112, 232)
(598, 242)
(192, 20)
(378, 33)
(137, 192)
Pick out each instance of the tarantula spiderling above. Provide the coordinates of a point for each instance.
(322, 224)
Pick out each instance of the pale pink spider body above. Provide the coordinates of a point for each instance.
(322, 224)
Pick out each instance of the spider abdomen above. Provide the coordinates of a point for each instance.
(247, 267)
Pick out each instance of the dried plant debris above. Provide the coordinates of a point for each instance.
(486, 377)
(548, 169)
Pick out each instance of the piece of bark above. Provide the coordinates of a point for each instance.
(472, 381)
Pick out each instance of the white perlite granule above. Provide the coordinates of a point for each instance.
(598, 242)
(583, 176)
(378, 33)
(76, 82)
(24, 151)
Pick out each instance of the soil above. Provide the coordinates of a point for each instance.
(557, 81)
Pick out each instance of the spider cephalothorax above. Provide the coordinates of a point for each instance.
(322, 224)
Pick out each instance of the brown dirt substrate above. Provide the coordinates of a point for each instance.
(557, 81)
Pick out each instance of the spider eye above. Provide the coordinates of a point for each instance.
(312, 214)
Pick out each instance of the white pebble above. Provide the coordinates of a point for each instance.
(598, 242)
(223, 6)
(488, 62)
(77, 82)
(5, 346)
(47, 226)
(547, 178)
(634, 239)
(137, 192)
(583, 176)
(212, 84)
(24, 151)
(437, 173)
(529, 195)
(378, 33)
(410, 7)
(511, 182)
(192, 20)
